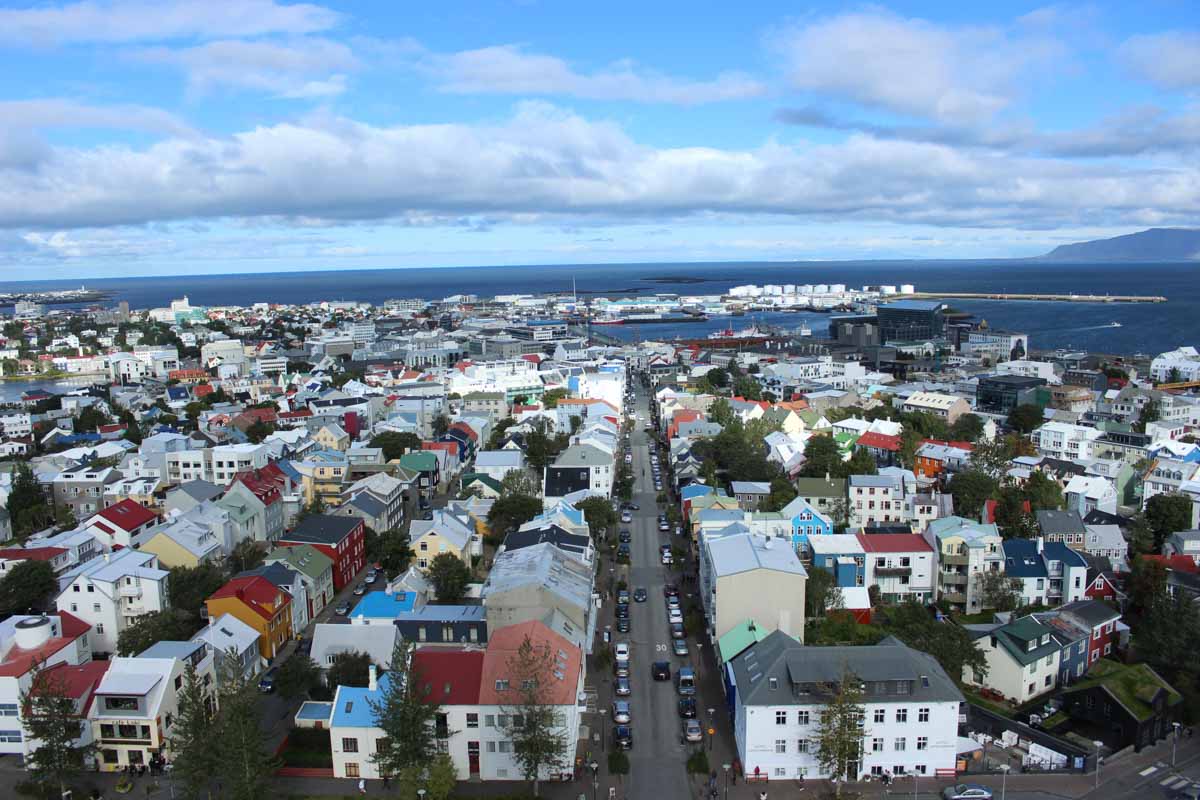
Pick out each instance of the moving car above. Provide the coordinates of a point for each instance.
(639, 595)
(623, 737)
(967, 791)
(692, 731)
(661, 671)
(687, 707)
(620, 712)
(621, 687)
(679, 647)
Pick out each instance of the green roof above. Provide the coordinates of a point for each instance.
(1132, 685)
(478, 477)
(1014, 637)
(738, 638)
(422, 462)
(304, 557)
(819, 487)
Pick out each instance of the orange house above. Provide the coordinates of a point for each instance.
(260, 604)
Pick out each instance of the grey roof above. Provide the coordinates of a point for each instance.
(583, 455)
(793, 665)
(1060, 522)
(170, 649)
(1090, 612)
(541, 565)
(736, 554)
(750, 487)
(330, 639)
(200, 490)
(227, 631)
(368, 504)
(878, 481)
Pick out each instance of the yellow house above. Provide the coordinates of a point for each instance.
(260, 604)
(333, 437)
(445, 533)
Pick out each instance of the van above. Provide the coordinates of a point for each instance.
(685, 681)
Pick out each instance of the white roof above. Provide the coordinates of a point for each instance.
(835, 544)
(227, 631)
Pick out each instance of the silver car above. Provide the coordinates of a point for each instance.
(620, 712)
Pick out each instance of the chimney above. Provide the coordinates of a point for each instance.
(106, 555)
(372, 677)
(1039, 544)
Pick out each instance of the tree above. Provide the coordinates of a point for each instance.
(90, 419)
(819, 592)
(24, 496)
(720, 412)
(441, 423)
(992, 458)
(1166, 514)
(193, 748)
(51, 721)
(406, 713)
(1025, 417)
(1011, 517)
(449, 576)
(1148, 413)
(259, 430)
(395, 552)
(1147, 583)
(27, 586)
(951, 645)
(1168, 634)
(551, 397)
(746, 387)
(839, 736)
(971, 489)
(349, 669)
(967, 428)
(520, 481)
(243, 762)
(599, 515)
(861, 463)
(190, 586)
(822, 457)
(538, 741)
(158, 626)
(1043, 492)
(395, 444)
(717, 377)
(297, 676)
(782, 493)
(511, 512)
(442, 777)
(998, 591)
(245, 555)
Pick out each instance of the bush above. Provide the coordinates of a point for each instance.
(618, 763)
(308, 747)
(697, 763)
(622, 584)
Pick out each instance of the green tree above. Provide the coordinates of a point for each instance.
(551, 397)
(1167, 514)
(720, 412)
(191, 586)
(245, 555)
(822, 457)
(1025, 417)
(53, 725)
(259, 430)
(243, 762)
(599, 515)
(395, 552)
(395, 444)
(839, 735)
(441, 778)
(520, 481)
(967, 428)
(998, 591)
(405, 711)
(971, 489)
(538, 741)
(27, 586)
(147, 630)
(348, 669)
(746, 387)
(24, 496)
(950, 645)
(441, 424)
(1011, 517)
(511, 512)
(820, 592)
(297, 676)
(193, 747)
(90, 419)
(718, 377)
(1147, 583)
(861, 463)
(449, 576)
(782, 493)
(133, 429)
(1148, 413)
(1043, 492)
(1168, 634)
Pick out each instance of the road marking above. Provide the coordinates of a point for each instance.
(1148, 771)
(1173, 782)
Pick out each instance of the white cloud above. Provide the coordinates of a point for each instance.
(304, 67)
(58, 112)
(508, 69)
(1171, 59)
(121, 21)
(910, 66)
(547, 164)
(102, 244)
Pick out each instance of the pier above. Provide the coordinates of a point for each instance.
(1054, 298)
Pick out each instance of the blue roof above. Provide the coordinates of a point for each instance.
(178, 392)
(352, 704)
(1022, 560)
(381, 605)
(444, 614)
(313, 710)
(694, 490)
(915, 305)
(1057, 551)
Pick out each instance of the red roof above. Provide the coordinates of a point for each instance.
(261, 414)
(879, 441)
(256, 592)
(894, 543)
(17, 661)
(956, 445)
(113, 428)
(503, 645)
(202, 390)
(128, 515)
(1177, 563)
(261, 486)
(989, 510)
(299, 413)
(449, 447)
(79, 680)
(449, 676)
(465, 428)
(31, 553)
(534, 357)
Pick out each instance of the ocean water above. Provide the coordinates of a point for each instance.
(1144, 328)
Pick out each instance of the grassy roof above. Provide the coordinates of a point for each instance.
(1132, 685)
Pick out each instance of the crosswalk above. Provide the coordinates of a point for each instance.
(1174, 783)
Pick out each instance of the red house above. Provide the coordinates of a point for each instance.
(1100, 619)
(120, 523)
(340, 538)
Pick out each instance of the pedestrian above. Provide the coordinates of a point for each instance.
(362, 786)
(387, 781)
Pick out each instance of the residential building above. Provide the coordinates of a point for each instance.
(447, 532)
(947, 406)
(1050, 572)
(316, 572)
(876, 499)
(227, 633)
(125, 524)
(545, 584)
(753, 577)
(1125, 704)
(81, 491)
(965, 550)
(1022, 659)
(260, 604)
(111, 592)
(902, 565)
(341, 539)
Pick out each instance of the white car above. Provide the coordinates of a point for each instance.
(622, 651)
(667, 560)
(674, 615)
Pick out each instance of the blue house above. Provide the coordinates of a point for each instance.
(842, 554)
(807, 522)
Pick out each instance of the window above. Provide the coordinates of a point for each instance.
(802, 717)
(472, 720)
(781, 745)
(901, 715)
(1047, 681)
(880, 715)
(1107, 648)
(489, 720)
(781, 772)
(502, 685)
(781, 718)
(99, 629)
(922, 742)
(96, 607)
(178, 682)
(900, 743)
(505, 747)
(491, 747)
(877, 745)
(349, 745)
(351, 769)
(922, 715)
(802, 745)
(920, 768)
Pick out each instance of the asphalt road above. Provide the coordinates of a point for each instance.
(658, 757)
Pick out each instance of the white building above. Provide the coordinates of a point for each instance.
(1066, 442)
(1182, 364)
(111, 592)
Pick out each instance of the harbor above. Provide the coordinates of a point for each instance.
(1050, 298)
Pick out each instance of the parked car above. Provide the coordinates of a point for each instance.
(677, 631)
(266, 684)
(621, 669)
(371, 578)
(967, 791)
(667, 558)
(674, 615)
(622, 611)
(620, 712)
(623, 625)
(622, 595)
(679, 647)
(342, 610)
(692, 731)
(626, 517)
(621, 650)
(621, 687)
(687, 707)
(625, 536)
(661, 671)
(623, 737)
(670, 590)
(360, 590)
(639, 595)
(685, 681)
(623, 553)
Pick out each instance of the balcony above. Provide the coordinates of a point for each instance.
(955, 560)
(128, 591)
(956, 598)
(954, 578)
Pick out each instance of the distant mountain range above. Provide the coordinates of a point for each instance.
(1154, 244)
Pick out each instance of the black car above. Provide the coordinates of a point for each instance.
(639, 595)
(634, 507)
(623, 625)
(622, 737)
(623, 552)
(622, 610)
(661, 670)
(687, 707)
(621, 669)
(625, 536)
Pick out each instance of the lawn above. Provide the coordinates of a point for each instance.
(991, 705)
(307, 747)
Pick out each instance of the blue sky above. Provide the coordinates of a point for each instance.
(141, 138)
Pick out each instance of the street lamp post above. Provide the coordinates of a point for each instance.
(1004, 768)
(595, 768)
(1174, 742)
(420, 794)
(712, 728)
(1098, 744)
(603, 730)
(726, 768)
